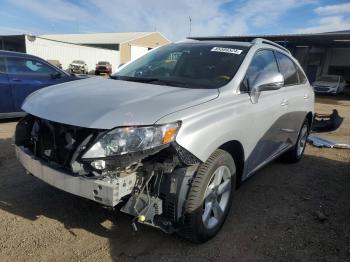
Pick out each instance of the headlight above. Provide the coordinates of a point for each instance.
(125, 140)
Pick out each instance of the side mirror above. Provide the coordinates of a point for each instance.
(265, 82)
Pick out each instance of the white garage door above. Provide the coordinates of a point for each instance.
(137, 51)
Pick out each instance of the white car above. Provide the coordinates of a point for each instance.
(329, 84)
(78, 66)
(170, 135)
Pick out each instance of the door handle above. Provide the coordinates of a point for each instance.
(306, 96)
(16, 80)
(284, 102)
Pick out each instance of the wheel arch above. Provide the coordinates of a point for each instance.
(235, 149)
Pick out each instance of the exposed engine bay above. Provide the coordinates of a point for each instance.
(151, 185)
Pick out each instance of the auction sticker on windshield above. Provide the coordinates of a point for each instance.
(226, 50)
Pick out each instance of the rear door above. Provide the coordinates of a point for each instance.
(6, 101)
(27, 75)
(297, 94)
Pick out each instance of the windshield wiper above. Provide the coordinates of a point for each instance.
(134, 79)
(168, 82)
(149, 80)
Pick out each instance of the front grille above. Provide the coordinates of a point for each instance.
(53, 142)
(321, 88)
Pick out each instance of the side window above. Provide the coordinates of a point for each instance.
(288, 69)
(302, 77)
(263, 62)
(17, 65)
(2, 65)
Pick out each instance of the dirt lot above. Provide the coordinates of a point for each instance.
(297, 212)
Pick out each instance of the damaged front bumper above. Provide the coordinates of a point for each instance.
(150, 185)
(163, 210)
(105, 191)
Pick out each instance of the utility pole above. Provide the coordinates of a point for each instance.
(190, 25)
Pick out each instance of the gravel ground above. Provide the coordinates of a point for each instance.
(298, 212)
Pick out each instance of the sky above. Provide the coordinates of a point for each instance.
(172, 18)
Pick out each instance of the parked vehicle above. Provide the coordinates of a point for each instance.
(103, 67)
(55, 63)
(329, 84)
(21, 75)
(170, 135)
(78, 66)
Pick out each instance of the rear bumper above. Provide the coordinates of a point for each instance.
(103, 191)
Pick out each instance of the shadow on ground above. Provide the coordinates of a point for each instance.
(275, 217)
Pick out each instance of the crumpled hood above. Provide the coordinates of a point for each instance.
(106, 103)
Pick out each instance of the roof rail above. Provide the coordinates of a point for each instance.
(265, 41)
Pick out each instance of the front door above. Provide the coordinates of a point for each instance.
(27, 75)
(6, 101)
(268, 116)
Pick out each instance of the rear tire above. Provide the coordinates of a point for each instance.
(209, 198)
(295, 154)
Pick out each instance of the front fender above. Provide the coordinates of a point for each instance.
(208, 126)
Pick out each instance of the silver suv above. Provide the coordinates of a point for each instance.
(169, 137)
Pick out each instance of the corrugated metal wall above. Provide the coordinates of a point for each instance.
(66, 53)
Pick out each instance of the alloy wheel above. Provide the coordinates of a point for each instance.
(216, 197)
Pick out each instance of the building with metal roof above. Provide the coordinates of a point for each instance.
(116, 48)
(130, 44)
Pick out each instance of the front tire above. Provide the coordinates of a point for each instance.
(209, 198)
(297, 151)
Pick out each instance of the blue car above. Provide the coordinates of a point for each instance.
(22, 74)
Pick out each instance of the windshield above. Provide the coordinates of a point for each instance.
(191, 65)
(103, 63)
(328, 78)
(78, 62)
